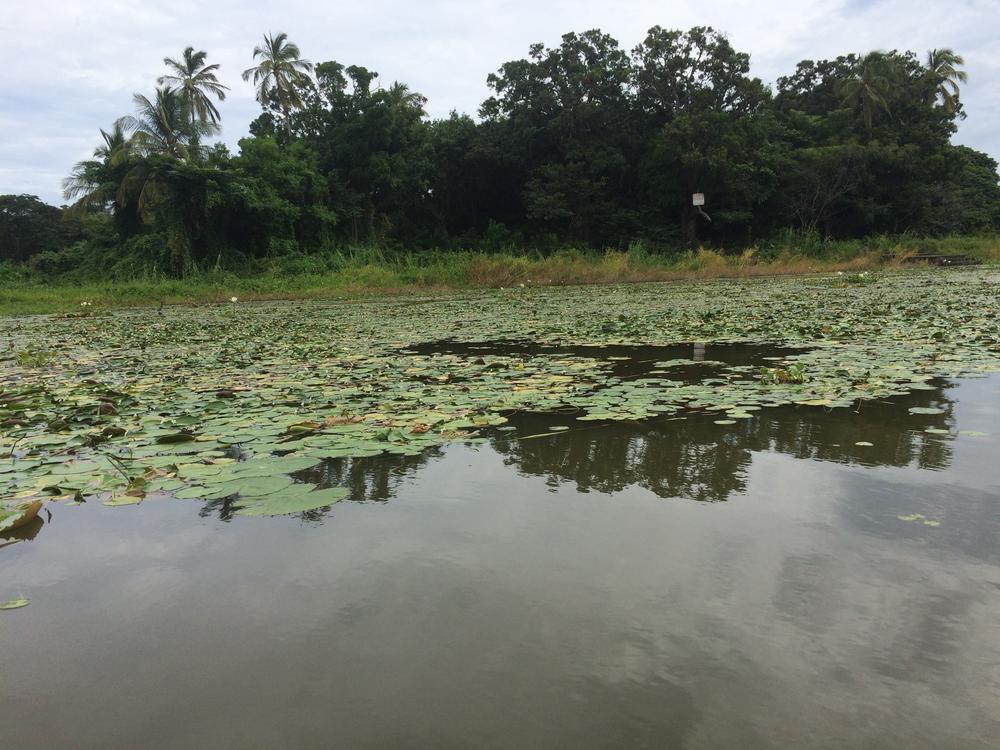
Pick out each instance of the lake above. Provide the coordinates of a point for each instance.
(678, 571)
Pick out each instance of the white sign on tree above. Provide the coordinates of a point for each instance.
(697, 199)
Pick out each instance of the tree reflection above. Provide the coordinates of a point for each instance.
(689, 457)
(695, 458)
(374, 478)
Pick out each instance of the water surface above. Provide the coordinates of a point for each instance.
(667, 584)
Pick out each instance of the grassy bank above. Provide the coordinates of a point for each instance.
(363, 272)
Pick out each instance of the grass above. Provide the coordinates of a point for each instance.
(372, 272)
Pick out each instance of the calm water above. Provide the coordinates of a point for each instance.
(676, 584)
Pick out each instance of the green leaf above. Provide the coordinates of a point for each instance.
(296, 499)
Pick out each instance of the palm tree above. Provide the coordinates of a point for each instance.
(161, 126)
(280, 72)
(195, 81)
(942, 65)
(400, 95)
(869, 89)
(94, 183)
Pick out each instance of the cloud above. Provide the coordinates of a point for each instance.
(70, 67)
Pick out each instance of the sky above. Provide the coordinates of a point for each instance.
(70, 67)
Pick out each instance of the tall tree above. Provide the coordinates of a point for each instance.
(197, 83)
(562, 121)
(943, 67)
(161, 125)
(94, 183)
(27, 226)
(868, 89)
(280, 73)
(706, 121)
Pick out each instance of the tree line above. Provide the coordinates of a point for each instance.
(583, 144)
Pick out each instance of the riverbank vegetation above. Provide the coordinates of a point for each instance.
(352, 273)
(346, 183)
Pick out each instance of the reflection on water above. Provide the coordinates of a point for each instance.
(695, 458)
(23, 534)
(690, 457)
(625, 361)
(543, 592)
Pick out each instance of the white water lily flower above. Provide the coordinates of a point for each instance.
(233, 299)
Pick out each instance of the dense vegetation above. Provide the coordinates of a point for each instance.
(114, 405)
(584, 144)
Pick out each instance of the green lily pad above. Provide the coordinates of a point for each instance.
(296, 499)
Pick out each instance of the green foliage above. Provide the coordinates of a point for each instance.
(27, 227)
(34, 358)
(794, 373)
(584, 144)
(234, 403)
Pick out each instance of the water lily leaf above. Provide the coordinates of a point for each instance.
(122, 500)
(15, 603)
(925, 410)
(295, 499)
(13, 515)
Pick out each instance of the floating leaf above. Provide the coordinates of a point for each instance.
(15, 603)
(13, 515)
(122, 500)
(296, 499)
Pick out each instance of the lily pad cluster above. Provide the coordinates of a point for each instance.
(232, 402)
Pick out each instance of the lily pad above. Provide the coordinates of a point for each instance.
(13, 515)
(296, 499)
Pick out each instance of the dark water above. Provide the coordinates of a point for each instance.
(675, 584)
(625, 360)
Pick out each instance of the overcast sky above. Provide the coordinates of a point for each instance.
(70, 67)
